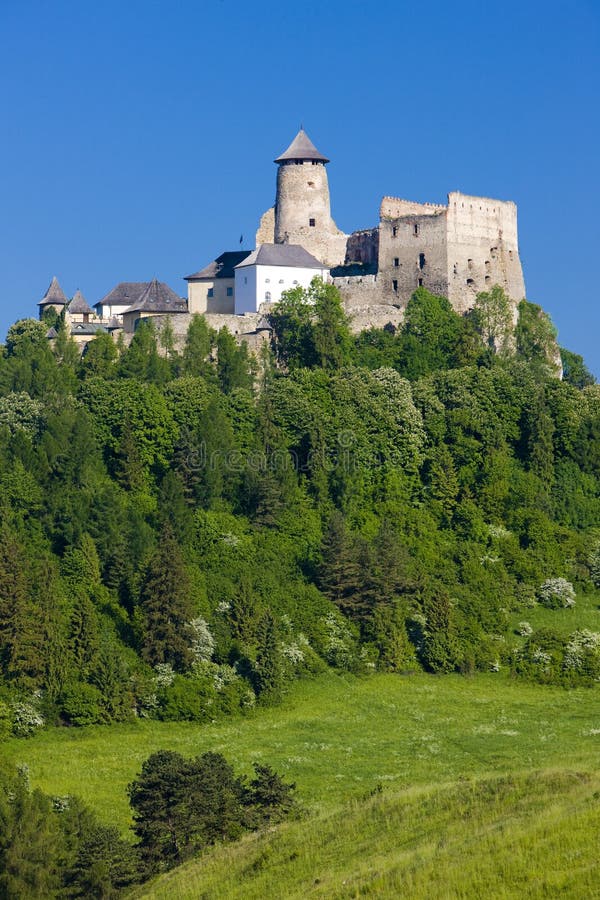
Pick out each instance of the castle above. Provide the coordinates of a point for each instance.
(455, 250)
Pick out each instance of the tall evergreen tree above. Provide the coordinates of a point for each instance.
(166, 605)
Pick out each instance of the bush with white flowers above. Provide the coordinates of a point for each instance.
(556, 593)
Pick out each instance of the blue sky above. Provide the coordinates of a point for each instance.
(137, 138)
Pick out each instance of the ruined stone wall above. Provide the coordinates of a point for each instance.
(359, 290)
(412, 249)
(483, 249)
(363, 247)
(302, 198)
(266, 228)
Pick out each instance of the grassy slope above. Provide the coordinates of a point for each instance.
(520, 836)
(338, 737)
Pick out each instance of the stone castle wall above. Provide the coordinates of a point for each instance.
(363, 247)
(483, 249)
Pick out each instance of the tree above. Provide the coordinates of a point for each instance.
(268, 671)
(331, 330)
(234, 368)
(575, 371)
(198, 343)
(536, 339)
(166, 605)
(493, 315)
(182, 805)
(100, 357)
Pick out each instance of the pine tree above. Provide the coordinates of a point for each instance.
(268, 671)
(166, 605)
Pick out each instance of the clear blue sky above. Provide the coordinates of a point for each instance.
(137, 137)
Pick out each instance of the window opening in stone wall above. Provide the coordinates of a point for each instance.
(416, 229)
(488, 280)
(230, 292)
(455, 268)
(421, 261)
(420, 282)
(510, 254)
(395, 285)
(493, 252)
(311, 184)
(470, 263)
(394, 231)
(267, 295)
(312, 223)
(396, 262)
(470, 282)
(487, 265)
(211, 292)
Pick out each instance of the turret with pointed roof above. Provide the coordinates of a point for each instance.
(302, 213)
(301, 148)
(79, 305)
(53, 298)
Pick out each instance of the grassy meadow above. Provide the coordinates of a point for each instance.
(523, 836)
(338, 737)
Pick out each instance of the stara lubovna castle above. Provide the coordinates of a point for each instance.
(455, 250)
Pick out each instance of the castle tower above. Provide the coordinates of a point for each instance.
(302, 213)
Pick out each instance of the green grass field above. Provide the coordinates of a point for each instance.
(338, 737)
(523, 836)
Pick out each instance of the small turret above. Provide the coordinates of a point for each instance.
(54, 298)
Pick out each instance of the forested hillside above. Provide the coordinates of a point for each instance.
(183, 533)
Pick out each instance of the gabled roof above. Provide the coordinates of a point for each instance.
(124, 294)
(158, 297)
(301, 148)
(282, 255)
(221, 267)
(87, 328)
(79, 304)
(54, 295)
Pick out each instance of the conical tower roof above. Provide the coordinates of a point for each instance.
(54, 295)
(79, 304)
(302, 148)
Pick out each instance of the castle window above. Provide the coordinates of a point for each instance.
(267, 295)
(456, 268)
(312, 223)
(420, 282)
(470, 263)
(510, 254)
(311, 183)
(470, 283)
(211, 292)
(416, 228)
(230, 292)
(487, 265)
(488, 279)
(394, 231)
(396, 262)
(395, 285)
(315, 162)
(421, 261)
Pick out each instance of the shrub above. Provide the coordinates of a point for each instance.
(556, 593)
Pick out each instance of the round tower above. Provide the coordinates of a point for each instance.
(302, 205)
